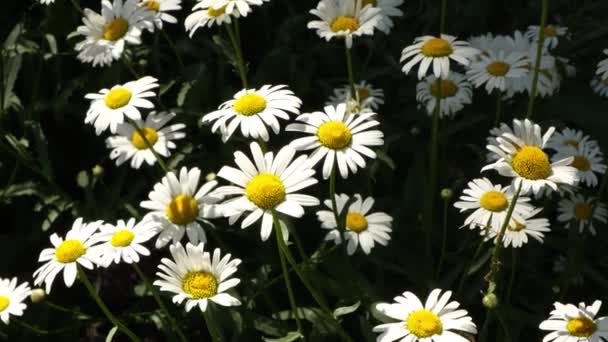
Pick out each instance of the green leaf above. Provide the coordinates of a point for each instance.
(183, 92)
(345, 310)
(291, 336)
(21, 189)
(386, 159)
(480, 262)
(111, 334)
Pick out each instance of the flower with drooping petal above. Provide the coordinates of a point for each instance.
(571, 323)
(12, 297)
(581, 211)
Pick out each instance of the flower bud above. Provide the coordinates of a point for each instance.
(37, 296)
(446, 194)
(210, 176)
(97, 171)
(490, 301)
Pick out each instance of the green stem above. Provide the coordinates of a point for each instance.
(292, 298)
(123, 328)
(141, 133)
(216, 336)
(130, 67)
(77, 6)
(539, 51)
(67, 310)
(513, 274)
(160, 303)
(432, 193)
(236, 45)
(503, 324)
(498, 108)
(444, 237)
(483, 334)
(444, 5)
(334, 204)
(180, 63)
(470, 263)
(351, 77)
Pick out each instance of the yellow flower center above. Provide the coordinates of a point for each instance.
(69, 251)
(583, 211)
(138, 141)
(335, 135)
(498, 68)
(266, 191)
(446, 89)
(115, 29)
(200, 284)
(216, 12)
(424, 323)
(152, 5)
(581, 327)
(494, 201)
(518, 227)
(122, 238)
(550, 31)
(345, 23)
(369, 2)
(581, 163)
(531, 162)
(182, 210)
(570, 142)
(363, 94)
(356, 222)
(437, 47)
(250, 104)
(118, 98)
(4, 302)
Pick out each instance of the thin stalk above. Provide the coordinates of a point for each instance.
(470, 263)
(299, 246)
(180, 63)
(503, 324)
(444, 5)
(239, 54)
(444, 237)
(292, 298)
(483, 334)
(77, 6)
(433, 174)
(123, 328)
(67, 310)
(332, 197)
(514, 260)
(539, 49)
(498, 108)
(160, 303)
(498, 245)
(130, 68)
(351, 77)
(141, 133)
(216, 336)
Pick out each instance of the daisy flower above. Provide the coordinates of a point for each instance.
(438, 320)
(491, 203)
(492, 140)
(587, 160)
(428, 50)
(454, 91)
(207, 16)
(265, 184)
(570, 323)
(76, 249)
(518, 231)
(570, 137)
(368, 97)
(362, 227)
(46, 2)
(552, 34)
(123, 242)
(252, 110)
(130, 145)
(338, 136)
(197, 277)
(106, 35)
(12, 297)
(602, 68)
(345, 19)
(600, 86)
(235, 8)
(110, 106)
(496, 70)
(581, 211)
(178, 204)
(389, 8)
(522, 158)
(548, 78)
(160, 9)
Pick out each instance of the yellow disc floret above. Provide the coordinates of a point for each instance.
(356, 222)
(531, 162)
(200, 284)
(4, 303)
(118, 98)
(266, 191)
(369, 2)
(581, 327)
(446, 88)
(550, 31)
(69, 251)
(436, 47)
(115, 29)
(182, 210)
(250, 104)
(581, 163)
(363, 93)
(570, 142)
(494, 201)
(138, 141)
(518, 227)
(122, 238)
(345, 23)
(152, 5)
(583, 211)
(216, 12)
(498, 68)
(335, 135)
(424, 323)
